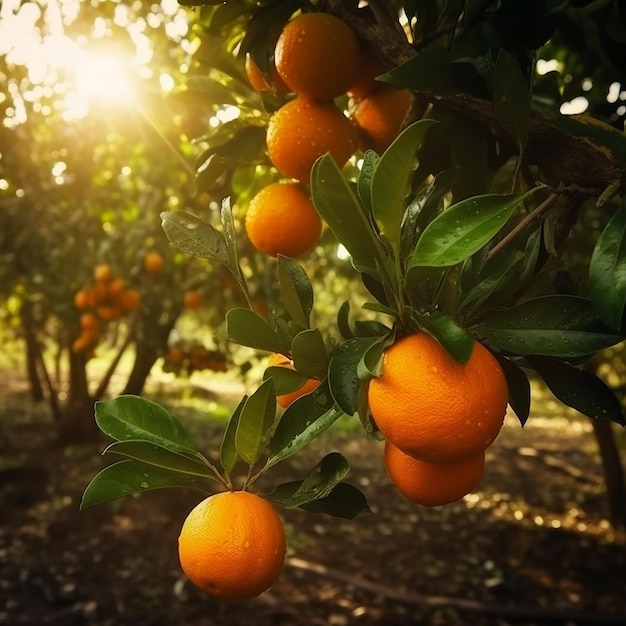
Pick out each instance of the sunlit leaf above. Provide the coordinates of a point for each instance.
(248, 328)
(309, 353)
(194, 236)
(228, 447)
(230, 237)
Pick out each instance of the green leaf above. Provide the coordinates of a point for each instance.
(309, 353)
(248, 328)
(228, 447)
(318, 483)
(153, 454)
(194, 236)
(457, 341)
(336, 203)
(511, 98)
(343, 321)
(127, 477)
(296, 290)
(579, 389)
(607, 270)
(371, 363)
(519, 388)
(391, 182)
(230, 238)
(558, 326)
(464, 228)
(213, 173)
(502, 275)
(344, 501)
(343, 379)
(131, 417)
(255, 423)
(301, 422)
(285, 379)
(364, 182)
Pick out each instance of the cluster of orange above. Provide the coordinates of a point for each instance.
(195, 358)
(318, 58)
(438, 416)
(107, 299)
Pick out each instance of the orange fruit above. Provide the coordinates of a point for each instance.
(109, 312)
(175, 356)
(432, 484)
(103, 272)
(99, 292)
(192, 299)
(317, 55)
(380, 116)
(129, 300)
(365, 81)
(259, 82)
(284, 400)
(232, 545)
(82, 299)
(303, 130)
(433, 407)
(153, 262)
(116, 287)
(89, 321)
(281, 219)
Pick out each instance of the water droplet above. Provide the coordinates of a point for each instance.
(144, 485)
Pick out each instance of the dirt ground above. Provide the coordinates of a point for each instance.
(530, 546)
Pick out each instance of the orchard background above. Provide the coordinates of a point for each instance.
(131, 145)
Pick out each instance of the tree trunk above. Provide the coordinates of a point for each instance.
(613, 472)
(151, 342)
(32, 356)
(77, 421)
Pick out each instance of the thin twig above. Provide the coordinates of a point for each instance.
(534, 215)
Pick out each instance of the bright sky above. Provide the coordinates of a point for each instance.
(86, 75)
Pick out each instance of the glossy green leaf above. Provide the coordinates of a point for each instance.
(347, 218)
(579, 389)
(309, 353)
(511, 98)
(127, 477)
(371, 363)
(366, 174)
(607, 270)
(345, 501)
(295, 290)
(132, 417)
(153, 454)
(558, 326)
(194, 236)
(464, 228)
(248, 328)
(255, 423)
(343, 321)
(318, 483)
(343, 380)
(301, 422)
(519, 388)
(285, 379)
(230, 237)
(457, 341)
(213, 172)
(228, 447)
(391, 182)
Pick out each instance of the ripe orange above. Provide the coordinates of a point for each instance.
(116, 287)
(103, 272)
(232, 545)
(192, 299)
(89, 321)
(153, 262)
(129, 300)
(82, 299)
(284, 400)
(109, 312)
(281, 219)
(432, 484)
(303, 130)
(317, 55)
(259, 82)
(433, 407)
(380, 115)
(364, 83)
